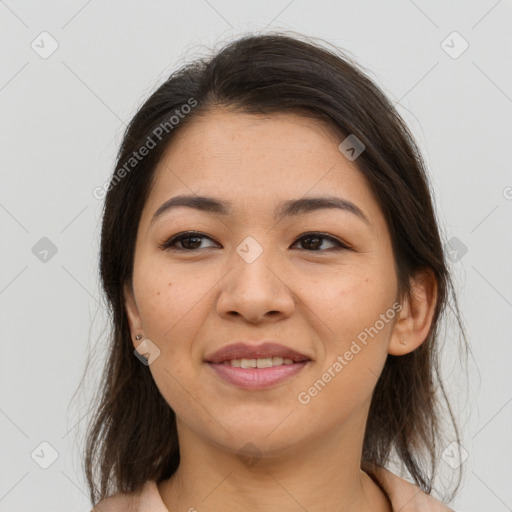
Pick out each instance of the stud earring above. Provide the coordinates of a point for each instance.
(138, 337)
(403, 342)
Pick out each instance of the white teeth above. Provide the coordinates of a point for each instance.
(265, 362)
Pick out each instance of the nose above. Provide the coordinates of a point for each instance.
(256, 291)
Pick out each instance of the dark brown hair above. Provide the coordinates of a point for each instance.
(132, 436)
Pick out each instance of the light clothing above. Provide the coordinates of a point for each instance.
(404, 496)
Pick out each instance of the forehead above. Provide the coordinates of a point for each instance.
(256, 161)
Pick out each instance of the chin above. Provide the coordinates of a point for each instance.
(271, 437)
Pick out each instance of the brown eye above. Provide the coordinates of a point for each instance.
(190, 241)
(314, 241)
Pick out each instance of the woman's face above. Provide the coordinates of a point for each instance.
(248, 274)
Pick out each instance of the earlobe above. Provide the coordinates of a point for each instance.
(415, 319)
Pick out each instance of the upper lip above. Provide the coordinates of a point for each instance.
(242, 350)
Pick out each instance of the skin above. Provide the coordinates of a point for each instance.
(316, 301)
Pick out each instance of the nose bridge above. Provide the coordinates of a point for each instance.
(252, 264)
(253, 286)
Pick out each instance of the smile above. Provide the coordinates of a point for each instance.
(253, 374)
(266, 362)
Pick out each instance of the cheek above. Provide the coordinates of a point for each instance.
(353, 360)
(172, 305)
(335, 395)
(169, 300)
(348, 300)
(357, 316)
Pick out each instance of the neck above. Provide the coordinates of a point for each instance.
(323, 474)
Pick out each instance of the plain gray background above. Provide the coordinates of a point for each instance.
(63, 115)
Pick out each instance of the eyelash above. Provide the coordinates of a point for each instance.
(168, 244)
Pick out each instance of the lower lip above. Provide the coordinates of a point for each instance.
(256, 378)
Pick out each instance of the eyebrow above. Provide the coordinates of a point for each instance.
(286, 209)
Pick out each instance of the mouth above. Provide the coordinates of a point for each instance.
(256, 366)
(265, 354)
(262, 362)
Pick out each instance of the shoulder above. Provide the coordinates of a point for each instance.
(406, 496)
(146, 500)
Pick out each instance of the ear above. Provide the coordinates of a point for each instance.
(132, 311)
(415, 319)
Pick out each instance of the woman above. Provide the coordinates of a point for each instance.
(273, 264)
